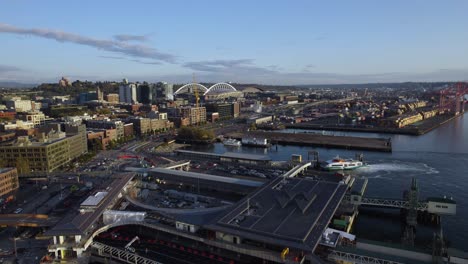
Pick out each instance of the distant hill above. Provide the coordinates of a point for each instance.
(400, 85)
(16, 85)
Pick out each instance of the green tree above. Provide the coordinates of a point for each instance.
(253, 126)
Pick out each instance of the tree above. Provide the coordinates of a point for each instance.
(195, 134)
(253, 126)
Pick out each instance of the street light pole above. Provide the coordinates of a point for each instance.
(14, 247)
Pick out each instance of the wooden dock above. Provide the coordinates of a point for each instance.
(318, 140)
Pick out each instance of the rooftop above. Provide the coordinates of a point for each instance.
(244, 156)
(3, 170)
(290, 212)
(441, 200)
(200, 176)
(94, 200)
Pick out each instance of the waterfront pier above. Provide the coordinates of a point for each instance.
(318, 140)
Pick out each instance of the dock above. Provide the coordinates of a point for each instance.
(317, 140)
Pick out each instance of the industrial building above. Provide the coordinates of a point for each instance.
(47, 152)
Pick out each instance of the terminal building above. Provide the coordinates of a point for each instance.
(281, 221)
(285, 213)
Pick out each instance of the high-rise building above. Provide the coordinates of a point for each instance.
(100, 94)
(128, 93)
(8, 180)
(165, 91)
(146, 93)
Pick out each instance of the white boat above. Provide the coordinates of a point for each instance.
(232, 142)
(255, 142)
(342, 164)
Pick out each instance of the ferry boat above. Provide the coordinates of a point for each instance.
(255, 142)
(342, 164)
(232, 142)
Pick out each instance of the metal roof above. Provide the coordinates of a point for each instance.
(201, 176)
(243, 156)
(94, 200)
(290, 212)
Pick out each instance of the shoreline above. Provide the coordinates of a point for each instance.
(410, 130)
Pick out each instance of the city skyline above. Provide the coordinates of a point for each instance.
(262, 42)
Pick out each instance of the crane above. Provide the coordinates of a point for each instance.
(452, 98)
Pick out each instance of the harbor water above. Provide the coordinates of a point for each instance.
(438, 160)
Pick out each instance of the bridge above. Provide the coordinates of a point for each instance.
(384, 202)
(27, 220)
(179, 165)
(424, 206)
(348, 257)
(216, 91)
(104, 250)
(301, 167)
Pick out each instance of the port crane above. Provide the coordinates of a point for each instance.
(453, 98)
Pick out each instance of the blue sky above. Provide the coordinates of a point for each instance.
(272, 42)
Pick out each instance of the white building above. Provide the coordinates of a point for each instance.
(37, 118)
(128, 93)
(18, 124)
(19, 105)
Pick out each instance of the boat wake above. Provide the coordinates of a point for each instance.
(387, 168)
(379, 176)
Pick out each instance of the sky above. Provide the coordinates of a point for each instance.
(262, 41)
